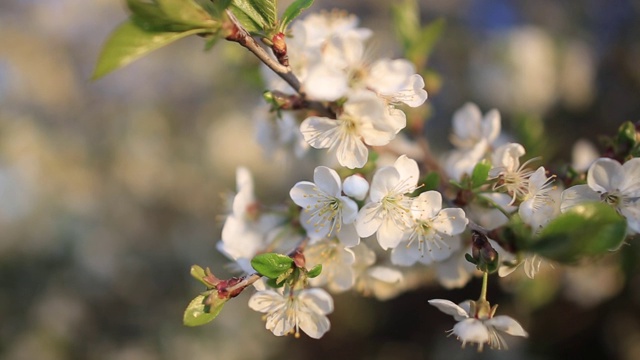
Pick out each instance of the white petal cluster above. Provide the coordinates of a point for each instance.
(479, 327)
(387, 214)
(250, 229)
(327, 52)
(288, 312)
(473, 136)
(363, 121)
(433, 236)
(325, 211)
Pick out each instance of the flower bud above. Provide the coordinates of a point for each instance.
(484, 255)
(356, 187)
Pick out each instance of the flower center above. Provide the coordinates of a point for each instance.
(612, 199)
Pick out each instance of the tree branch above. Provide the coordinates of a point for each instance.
(242, 37)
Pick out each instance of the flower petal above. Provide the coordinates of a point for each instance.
(507, 324)
(389, 234)
(317, 300)
(319, 132)
(405, 254)
(471, 330)
(348, 235)
(605, 175)
(266, 301)
(327, 180)
(450, 221)
(450, 308)
(369, 219)
(304, 194)
(576, 195)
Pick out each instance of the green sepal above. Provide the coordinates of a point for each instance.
(315, 271)
(198, 312)
(293, 11)
(284, 276)
(586, 230)
(274, 283)
(480, 174)
(130, 41)
(271, 265)
(470, 259)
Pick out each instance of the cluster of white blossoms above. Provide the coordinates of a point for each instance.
(328, 54)
(374, 229)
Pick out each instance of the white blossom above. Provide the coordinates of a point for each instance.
(388, 212)
(356, 187)
(288, 312)
(612, 183)
(507, 169)
(365, 120)
(433, 236)
(477, 323)
(473, 135)
(471, 128)
(541, 203)
(337, 264)
(245, 229)
(325, 211)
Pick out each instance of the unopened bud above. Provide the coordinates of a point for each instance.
(355, 186)
(279, 47)
(484, 255)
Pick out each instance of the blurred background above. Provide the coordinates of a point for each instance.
(110, 190)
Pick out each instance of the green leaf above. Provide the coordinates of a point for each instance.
(198, 273)
(315, 271)
(293, 11)
(271, 265)
(198, 313)
(588, 229)
(427, 39)
(406, 22)
(172, 15)
(480, 174)
(431, 181)
(186, 12)
(274, 283)
(256, 16)
(247, 22)
(130, 41)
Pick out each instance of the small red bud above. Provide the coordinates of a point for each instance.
(279, 48)
(298, 259)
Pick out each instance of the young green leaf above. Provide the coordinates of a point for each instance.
(406, 22)
(315, 271)
(587, 229)
(198, 313)
(129, 41)
(271, 265)
(186, 12)
(480, 174)
(256, 16)
(198, 273)
(293, 11)
(431, 181)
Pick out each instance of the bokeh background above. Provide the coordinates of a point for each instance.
(110, 190)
